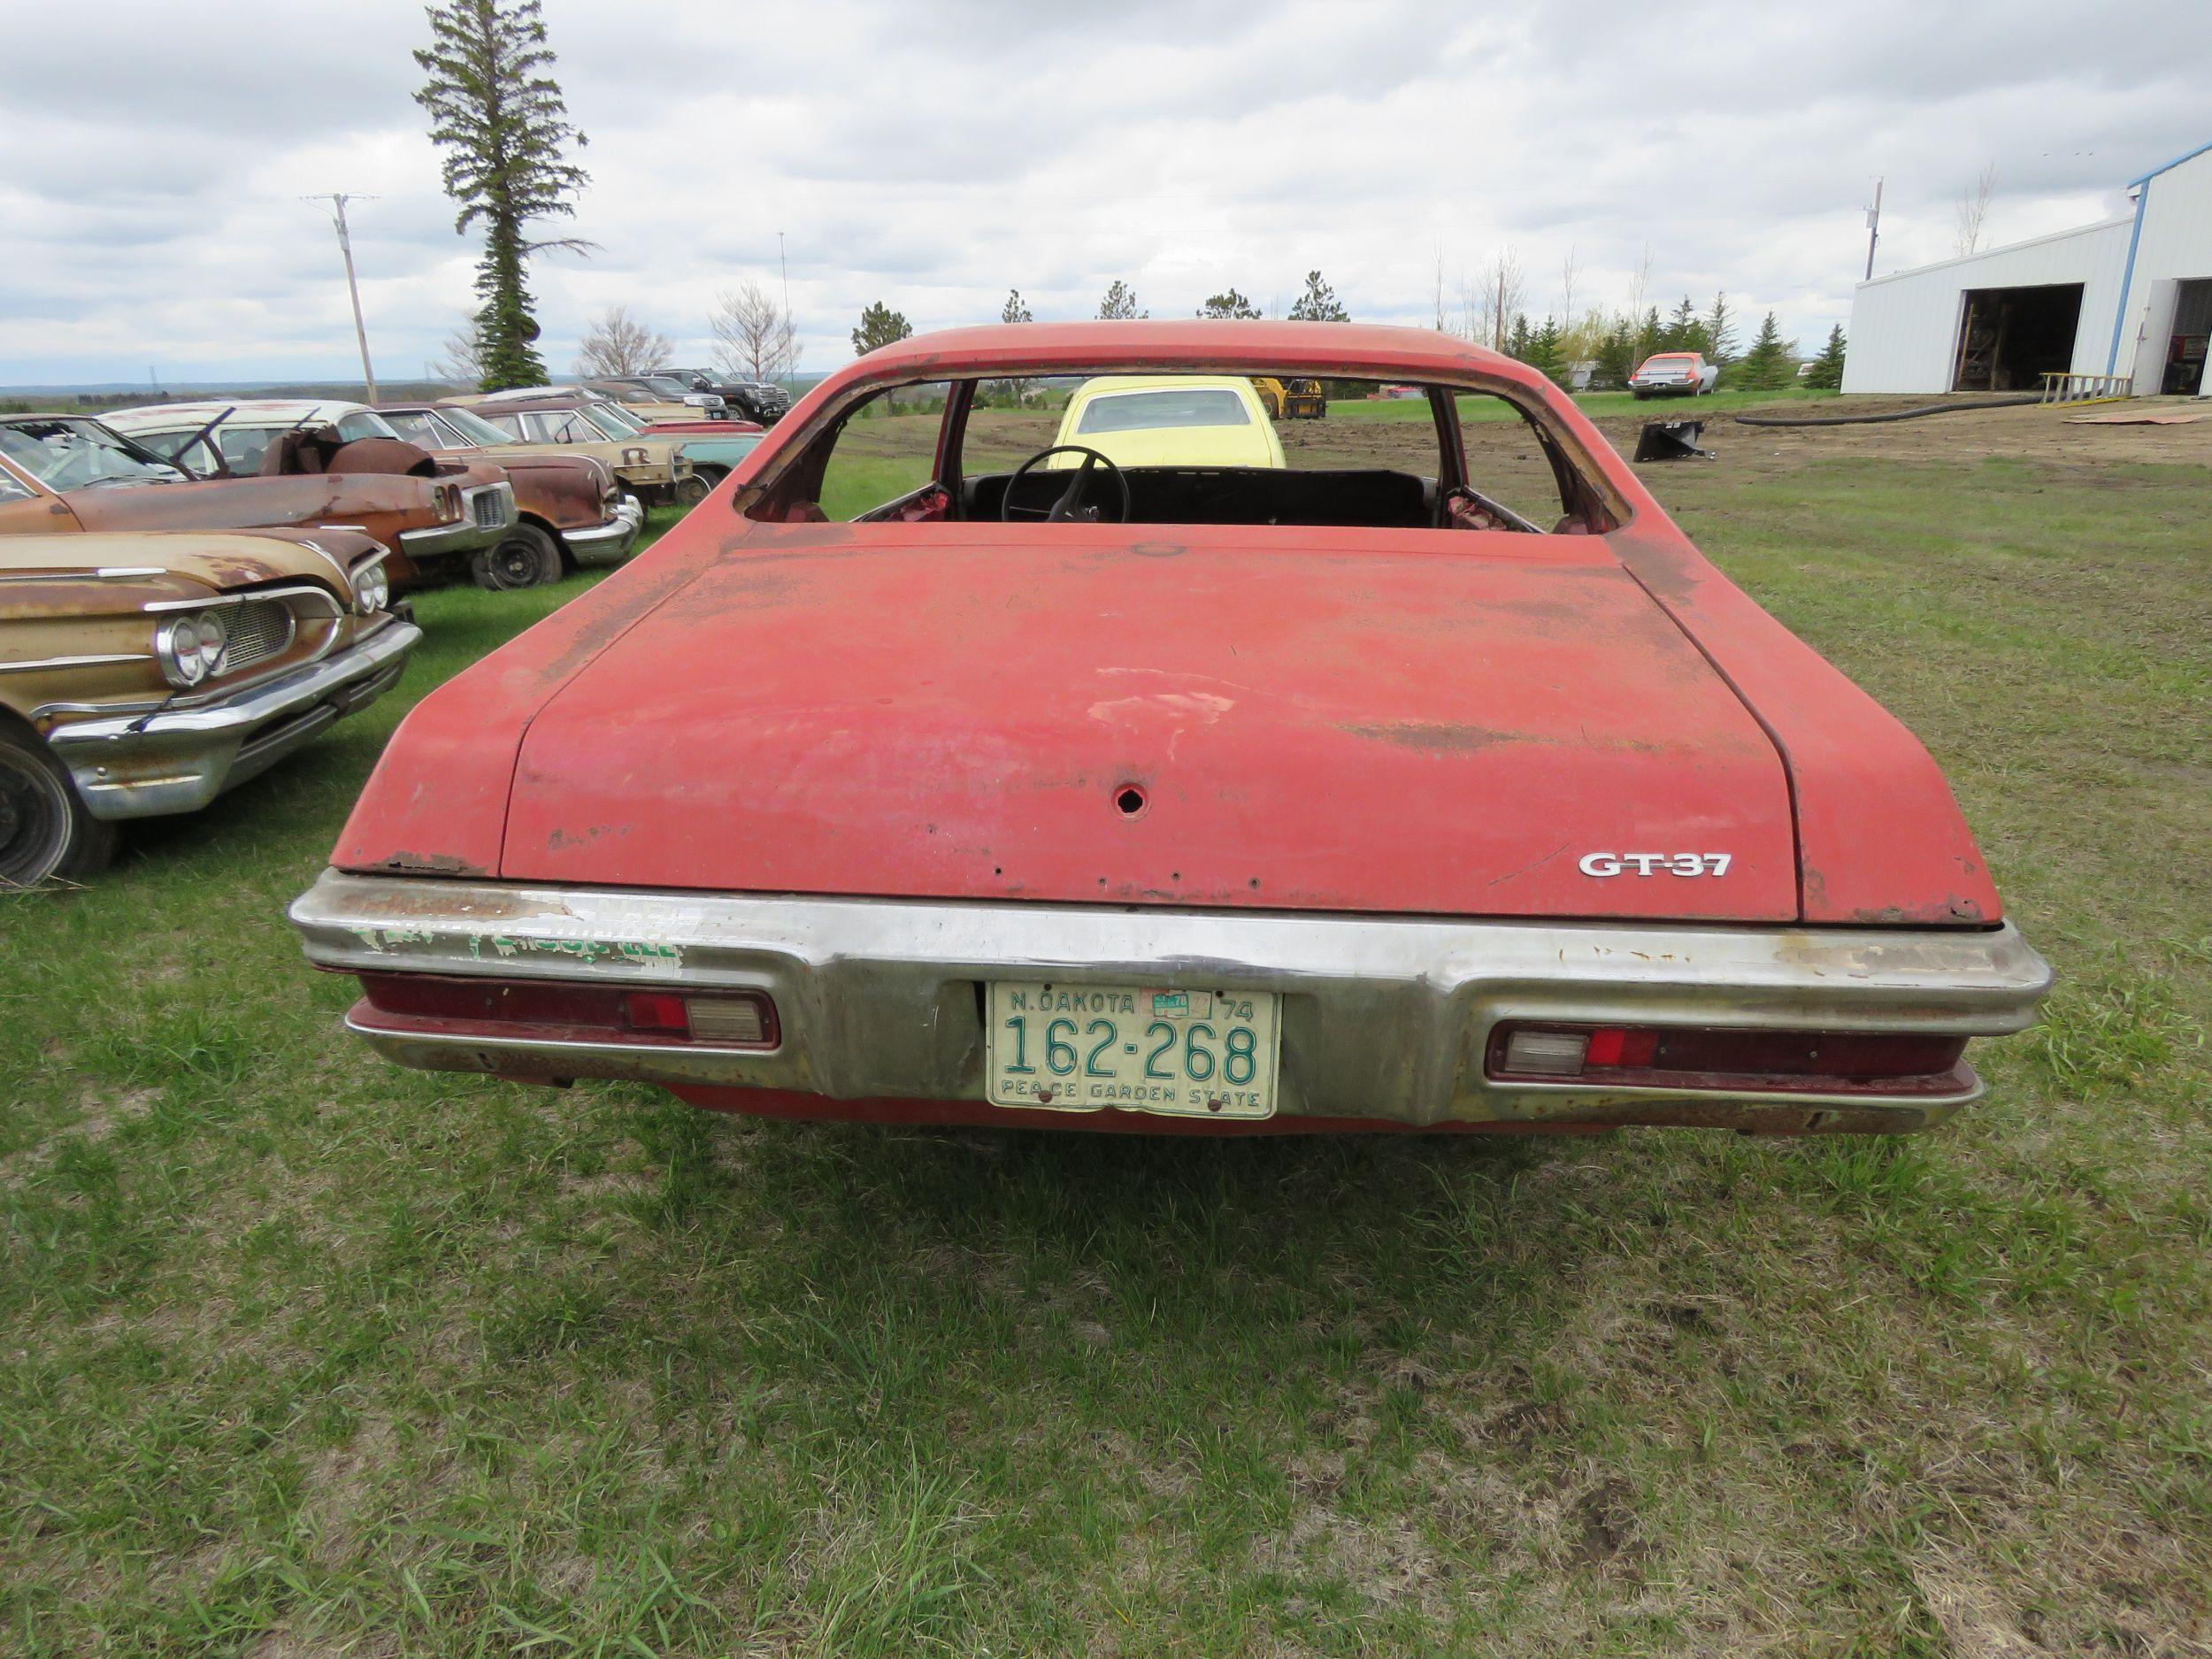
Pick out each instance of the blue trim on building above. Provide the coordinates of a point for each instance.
(2171, 165)
(2142, 187)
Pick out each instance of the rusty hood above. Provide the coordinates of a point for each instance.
(215, 561)
(1252, 721)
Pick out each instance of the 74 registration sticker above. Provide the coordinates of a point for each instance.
(1174, 1050)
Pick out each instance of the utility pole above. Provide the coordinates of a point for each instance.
(1873, 228)
(784, 266)
(353, 289)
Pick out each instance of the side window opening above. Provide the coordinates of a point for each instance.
(884, 453)
(1519, 476)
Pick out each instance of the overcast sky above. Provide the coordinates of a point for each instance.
(151, 217)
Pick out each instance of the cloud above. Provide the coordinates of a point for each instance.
(931, 159)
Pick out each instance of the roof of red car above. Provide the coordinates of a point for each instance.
(1197, 342)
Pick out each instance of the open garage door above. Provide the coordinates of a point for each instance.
(2011, 338)
(2182, 373)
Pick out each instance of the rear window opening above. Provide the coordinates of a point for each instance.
(1292, 449)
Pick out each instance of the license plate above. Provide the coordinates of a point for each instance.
(1181, 1052)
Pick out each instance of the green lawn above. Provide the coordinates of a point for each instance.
(302, 1355)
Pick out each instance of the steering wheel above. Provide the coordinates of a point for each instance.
(1069, 505)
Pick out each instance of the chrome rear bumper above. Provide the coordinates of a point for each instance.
(1382, 1017)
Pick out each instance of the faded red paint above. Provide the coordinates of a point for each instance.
(1352, 719)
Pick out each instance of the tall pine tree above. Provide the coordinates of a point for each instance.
(1318, 303)
(500, 118)
(1827, 370)
(1767, 364)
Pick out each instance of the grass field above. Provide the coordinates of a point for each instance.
(300, 1354)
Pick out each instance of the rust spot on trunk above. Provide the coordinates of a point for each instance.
(430, 864)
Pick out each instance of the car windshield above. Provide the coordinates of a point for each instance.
(1138, 447)
(473, 427)
(1145, 412)
(74, 454)
(416, 427)
(613, 419)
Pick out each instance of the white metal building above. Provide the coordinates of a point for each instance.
(2128, 296)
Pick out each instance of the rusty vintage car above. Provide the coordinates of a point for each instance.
(653, 469)
(570, 512)
(142, 674)
(67, 472)
(1198, 799)
(459, 530)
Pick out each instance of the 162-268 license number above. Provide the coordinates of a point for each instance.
(1088, 1048)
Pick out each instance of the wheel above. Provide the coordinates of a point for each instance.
(713, 473)
(527, 558)
(1637, 393)
(693, 491)
(46, 834)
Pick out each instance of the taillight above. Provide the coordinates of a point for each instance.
(734, 1019)
(1729, 1058)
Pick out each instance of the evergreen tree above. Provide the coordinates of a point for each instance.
(1827, 374)
(1768, 363)
(1545, 354)
(1014, 310)
(1720, 332)
(1682, 331)
(1318, 303)
(1648, 333)
(879, 325)
(1230, 304)
(1617, 355)
(501, 121)
(1120, 303)
(1520, 339)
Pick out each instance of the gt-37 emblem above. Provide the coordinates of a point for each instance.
(1653, 863)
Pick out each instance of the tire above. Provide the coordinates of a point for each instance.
(1637, 393)
(525, 557)
(46, 834)
(693, 491)
(714, 474)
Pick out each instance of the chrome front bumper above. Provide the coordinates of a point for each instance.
(144, 765)
(488, 512)
(608, 543)
(1382, 1018)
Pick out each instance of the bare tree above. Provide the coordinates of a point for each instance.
(1642, 283)
(1973, 209)
(1441, 328)
(1499, 296)
(1569, 268)
(463, 360)
(754, 337)
(618, 343)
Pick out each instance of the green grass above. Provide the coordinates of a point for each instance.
(300, 1354)
(1593, 404)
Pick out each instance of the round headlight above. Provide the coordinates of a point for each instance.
(189, 648)
(372, 589)
(633, 457)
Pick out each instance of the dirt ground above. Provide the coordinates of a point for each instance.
(2028, 432)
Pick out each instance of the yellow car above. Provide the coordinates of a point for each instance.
(1170, 420)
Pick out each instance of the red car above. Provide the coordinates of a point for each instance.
(1179, 798)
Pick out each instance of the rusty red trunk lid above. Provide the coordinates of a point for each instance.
(1255, 720)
